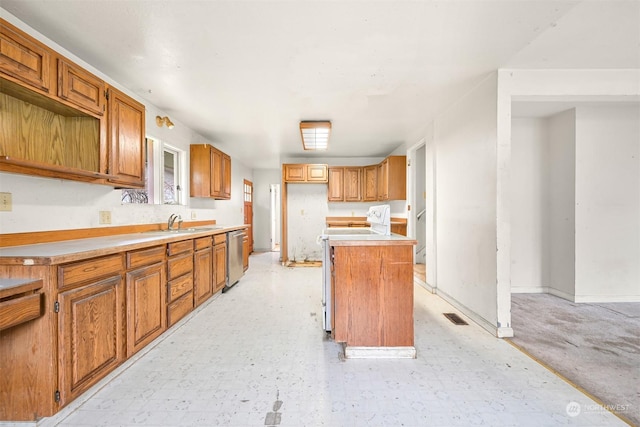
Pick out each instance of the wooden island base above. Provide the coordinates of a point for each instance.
(372, 295)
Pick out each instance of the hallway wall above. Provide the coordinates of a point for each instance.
(465, 142)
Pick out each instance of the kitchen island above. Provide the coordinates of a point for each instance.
(372, 295)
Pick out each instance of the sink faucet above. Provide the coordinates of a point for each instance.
(172, 219)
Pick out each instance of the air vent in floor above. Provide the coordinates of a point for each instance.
(455, 319)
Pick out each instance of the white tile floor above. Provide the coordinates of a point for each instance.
(257, 356)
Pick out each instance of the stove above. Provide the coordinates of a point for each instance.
(380, 219)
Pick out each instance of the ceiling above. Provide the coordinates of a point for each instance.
(245, 73)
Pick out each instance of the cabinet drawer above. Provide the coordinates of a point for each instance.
(180, 247)
(146, 256)
(219, 238)
(179, 265)
(180, 308)
(202, 243)
(76, 273)
(179, 286)
(19, 310)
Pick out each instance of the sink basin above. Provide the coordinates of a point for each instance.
(187, 230)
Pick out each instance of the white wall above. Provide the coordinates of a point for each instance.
(465, 141)
(50, 204)
(607, 213)
(307, 210)
(562, 143)
(529, 197)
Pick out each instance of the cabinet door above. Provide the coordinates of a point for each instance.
(226, 176)
(370, 179)
(23, 58)
(216, 173)
(200, 170)
(317, 173)
(80, 87)
(246, 249)
(202, 275)
(220, 254)
(335, 192)
(383, 180)
(397, 178)
(295, 173)
(146, 314)
(90, 335)
(352, 184)
(126, 140)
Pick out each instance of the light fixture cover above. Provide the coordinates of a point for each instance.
(315, 134)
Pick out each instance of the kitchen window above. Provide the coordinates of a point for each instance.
(164, 176)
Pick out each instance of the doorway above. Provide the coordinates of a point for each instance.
(417, 218)
(274, 189)
(248, 211)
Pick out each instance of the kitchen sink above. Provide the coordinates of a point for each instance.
(187, 230)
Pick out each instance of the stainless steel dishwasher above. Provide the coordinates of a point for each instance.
(235, 268)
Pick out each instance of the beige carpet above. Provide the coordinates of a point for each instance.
(594, 346)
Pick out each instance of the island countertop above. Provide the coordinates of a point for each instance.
(370, 240)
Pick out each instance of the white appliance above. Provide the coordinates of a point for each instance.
(379, 217)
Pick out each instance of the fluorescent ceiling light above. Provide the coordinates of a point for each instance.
(315, 135)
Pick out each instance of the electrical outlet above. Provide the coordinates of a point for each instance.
(193, 214)
(105, 217)
(301, 211)
(5, 202)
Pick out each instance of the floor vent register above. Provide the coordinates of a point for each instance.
(455, 319)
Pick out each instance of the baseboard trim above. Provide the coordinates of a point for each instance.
(481, 321)
(529, 289)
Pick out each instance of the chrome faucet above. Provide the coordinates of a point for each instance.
(172, 219)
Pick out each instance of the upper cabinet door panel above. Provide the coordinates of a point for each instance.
(80, 87)
(23, 58)
(126, 136)
(317, 173)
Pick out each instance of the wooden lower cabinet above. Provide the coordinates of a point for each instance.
(90, 335)
(202, 271)
(180, 280)
(220, 260)
(146, 313)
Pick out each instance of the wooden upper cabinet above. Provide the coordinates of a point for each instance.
(303, 172)
(226, 177)
(126, 139)
(24, 59)
(215, 185)
(335, 192)
(370, 183)
(80, 87)
(352, 184)
(392, 178)
(210, 172)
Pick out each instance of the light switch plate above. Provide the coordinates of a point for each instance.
(5, 202)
